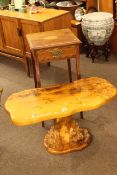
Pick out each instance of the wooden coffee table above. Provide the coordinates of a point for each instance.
(60, 103)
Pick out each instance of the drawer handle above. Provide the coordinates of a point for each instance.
(56, 52)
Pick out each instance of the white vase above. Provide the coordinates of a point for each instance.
(19, 3)
(97, 27)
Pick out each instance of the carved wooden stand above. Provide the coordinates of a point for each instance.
(66, 136)
(93, 50)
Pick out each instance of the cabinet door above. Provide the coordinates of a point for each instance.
(11, 40)
(29, 27)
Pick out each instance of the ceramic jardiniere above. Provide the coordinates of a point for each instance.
(97, 27)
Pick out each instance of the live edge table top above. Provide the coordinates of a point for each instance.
(36, 105)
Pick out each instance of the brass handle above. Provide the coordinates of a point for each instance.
(56, 52)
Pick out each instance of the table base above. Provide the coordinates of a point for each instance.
(66, 136)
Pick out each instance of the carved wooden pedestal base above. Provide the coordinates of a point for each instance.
(66, 136)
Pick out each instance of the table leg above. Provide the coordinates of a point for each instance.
(27, 67)
(78, 62)
(69, 70)
(36, 70)
(36, 75)
(66, 136)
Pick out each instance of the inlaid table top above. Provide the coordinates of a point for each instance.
(61, 37)
(36, 105)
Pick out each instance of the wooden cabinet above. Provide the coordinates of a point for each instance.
(14, 26)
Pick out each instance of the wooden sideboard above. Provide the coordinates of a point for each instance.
(14, 26)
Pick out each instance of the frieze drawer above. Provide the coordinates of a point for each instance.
(56, 53)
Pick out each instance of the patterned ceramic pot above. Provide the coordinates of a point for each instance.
(97, 27)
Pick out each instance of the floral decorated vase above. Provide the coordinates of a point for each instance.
(97, 27)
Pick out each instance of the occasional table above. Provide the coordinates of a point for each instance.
(51, 46)
(60, 103)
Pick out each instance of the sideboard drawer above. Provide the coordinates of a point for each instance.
(57, 53)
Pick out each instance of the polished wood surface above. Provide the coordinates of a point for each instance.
(50, 39)
(66, 136)
(44, 15)
(106, 6)
(60, 103)
(36, 105)
(28, 27)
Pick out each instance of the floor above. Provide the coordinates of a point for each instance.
(21, 148)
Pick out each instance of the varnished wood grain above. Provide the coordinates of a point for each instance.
(45, 15)
(50, 39)
(66, 136)
(106, 6)
(58, 53)
(36, 105)
(27, 28)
